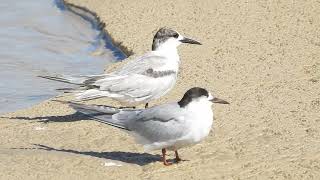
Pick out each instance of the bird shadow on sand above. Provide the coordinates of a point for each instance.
(140, 159)
(47, 119)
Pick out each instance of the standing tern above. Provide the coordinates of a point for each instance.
(167, 127)
(141, 80)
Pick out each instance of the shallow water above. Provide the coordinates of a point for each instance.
(46, 37)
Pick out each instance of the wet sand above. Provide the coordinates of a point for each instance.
(263, 57)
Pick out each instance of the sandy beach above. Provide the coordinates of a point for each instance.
(261, 56)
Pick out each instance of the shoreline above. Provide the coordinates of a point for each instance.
(260, 56)
(98, 25)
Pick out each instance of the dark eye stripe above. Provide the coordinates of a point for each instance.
(176, 35)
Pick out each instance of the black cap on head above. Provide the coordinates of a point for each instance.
(162, 35)
(192, 93)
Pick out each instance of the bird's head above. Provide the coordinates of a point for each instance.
(166, 37)
(199, 95)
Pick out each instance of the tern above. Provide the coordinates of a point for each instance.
(141, 80)
(169, 126)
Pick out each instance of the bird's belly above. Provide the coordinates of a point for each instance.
(192, 139)
(199, 129)
(164, 85)
(200, 133)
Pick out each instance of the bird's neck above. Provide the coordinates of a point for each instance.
(170, 52)
(199, 106)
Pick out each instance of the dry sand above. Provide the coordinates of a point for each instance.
(262, 56)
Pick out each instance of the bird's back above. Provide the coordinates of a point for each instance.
(156, 127)
(139, 81)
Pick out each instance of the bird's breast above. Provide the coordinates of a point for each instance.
(168, 66)
(200, 124)
(164, 84)
(171, 60)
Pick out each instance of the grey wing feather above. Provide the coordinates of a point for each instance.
(80, 80)
(87, 109)
(132, 85)
(99, 113)
(161, 113)
(142, 64)
(137, 66)
(131, 81)
(157, 124)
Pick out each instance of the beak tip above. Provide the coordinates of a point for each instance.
(225, 102)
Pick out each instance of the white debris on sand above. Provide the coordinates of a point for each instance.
(39, 128)
(108, 164)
